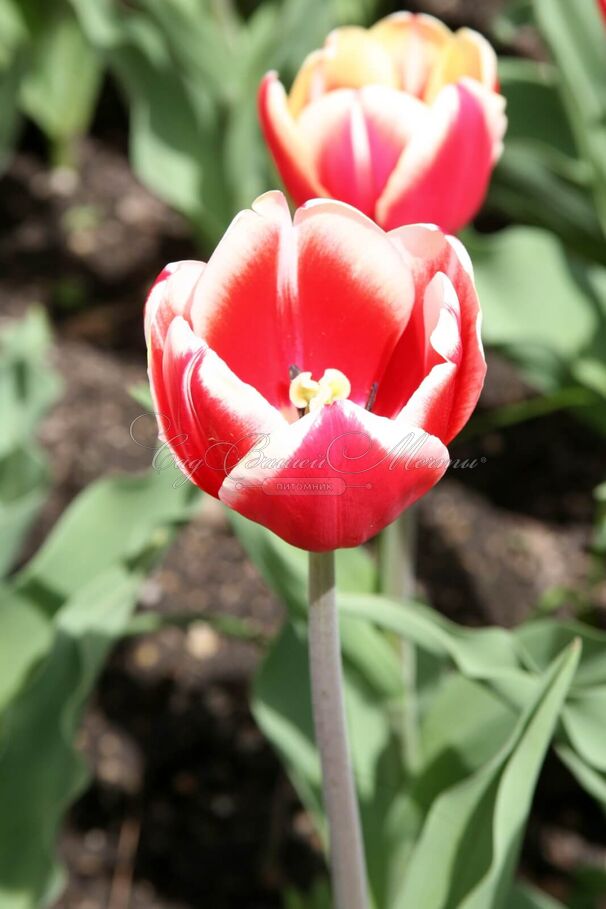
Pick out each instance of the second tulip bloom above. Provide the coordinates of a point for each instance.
(403, 121)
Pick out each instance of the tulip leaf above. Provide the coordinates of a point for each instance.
(284, 568)
(10, 122)
(117, 520)
(25, 636)
(590, 779)
(24, 486)
(541, 640)
(544, 308)
(535, 112)
(60, 89)
(66, 608)
(37, 784)
(476, 869)
(575, 34)
(318, 898)
(523, 896)
(488, 653)
(283, 711)
(534, 186)
(464, 725)
(584, 720)
(28, 388)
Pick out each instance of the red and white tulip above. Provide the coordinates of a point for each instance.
(403, 120)
(311, 373)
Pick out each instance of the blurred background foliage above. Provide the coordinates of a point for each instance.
(488, 703)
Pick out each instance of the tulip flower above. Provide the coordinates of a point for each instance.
(602, 6)
(403, 121)
(311, 373)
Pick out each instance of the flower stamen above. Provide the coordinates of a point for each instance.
(308, 395)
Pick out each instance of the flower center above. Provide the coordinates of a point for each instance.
(308, 395)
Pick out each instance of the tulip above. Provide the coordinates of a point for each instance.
(311, 373)
(403, 121)
(602, 6)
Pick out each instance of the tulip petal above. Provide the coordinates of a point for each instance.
(414, 42)
(443, 173)
(391, 118)
(243, 304)
(467, 54)
(170, 295)
(285, 142)
(354, 295)
(335, 132)
(213, 418)
(356, 138)
(334, 478)
(442, 338)
(330, 292)
(431, 404)
(309, 83)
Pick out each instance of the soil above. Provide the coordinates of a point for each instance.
(188, 805)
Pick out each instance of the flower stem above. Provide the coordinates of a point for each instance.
(346, 849)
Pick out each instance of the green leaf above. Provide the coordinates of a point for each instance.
(536, 187)
(319, 898)
(13, 31)
(37, 784)
(63, 80)
(475, 870)
(24, 486)
(575, 34)
(463, 726)
(25, 636)
(545, 309)
(488, 653)
(175, 143)
(28, 386)
(523, 896)
(541, 640)
(283, 711)
(284, 568)
(63, 612)
(118, 520)
(590, 779)
(585, 724)
(176, 124)
(535, 112)
(10, 122)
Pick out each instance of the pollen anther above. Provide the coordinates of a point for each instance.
(308, 395)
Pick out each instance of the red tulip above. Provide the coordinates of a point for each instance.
(403, 120)
(310, 375)
(602, 5)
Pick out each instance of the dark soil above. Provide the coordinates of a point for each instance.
(188, 806)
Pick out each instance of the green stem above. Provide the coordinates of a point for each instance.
(398, 545)
(347, 861)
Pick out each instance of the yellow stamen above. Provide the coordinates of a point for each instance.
(307, 394)
(302, 390)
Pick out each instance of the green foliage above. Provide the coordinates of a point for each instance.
(545, 308)
(49, 72)
(28, 388)
(60, 88)
(575, 34)
(541, 180)
(490, 704)
(58, 618)
(190, 72)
